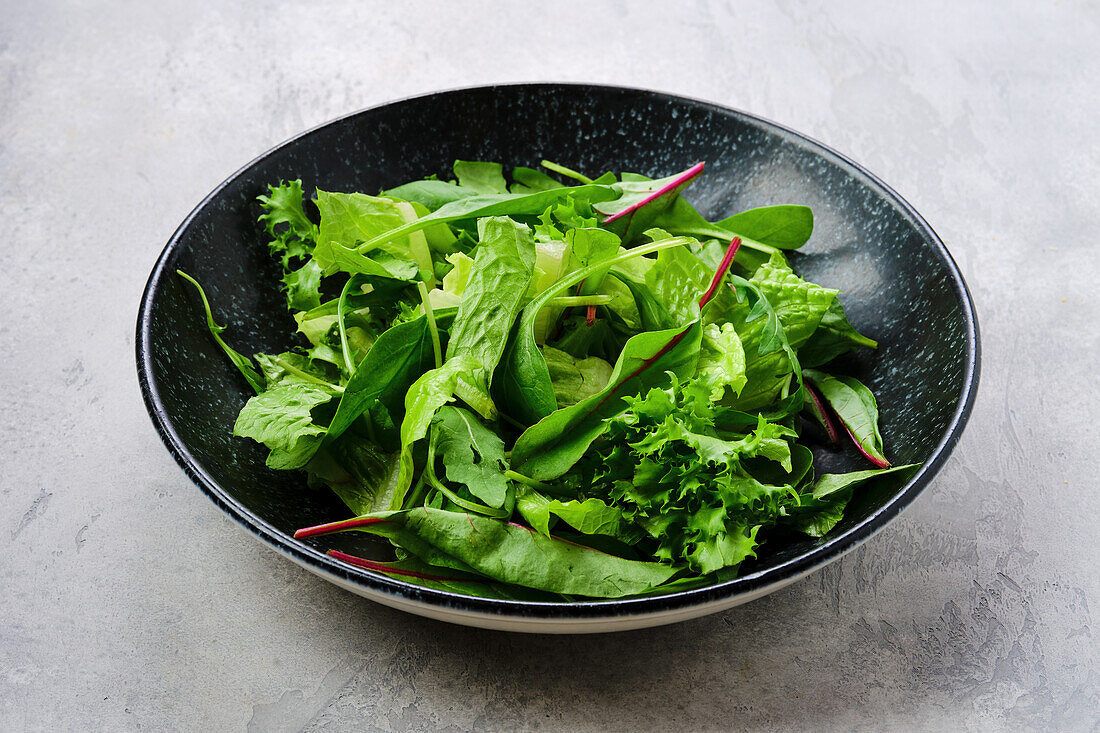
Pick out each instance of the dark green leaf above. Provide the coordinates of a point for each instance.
(855, 405)
(514, 554)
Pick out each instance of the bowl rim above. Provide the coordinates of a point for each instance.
(749, 585)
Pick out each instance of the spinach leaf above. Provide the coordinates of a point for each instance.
(384, 376)
(785, 227)
(855, 405)
(489, 205)
(484, 178)
(472, 454)
(244, 366)
(823, 505)
(765, 229)
(515, 554)
(528, 180)
(426, 395)
(430, 194)
(498, 280)
(833, 337)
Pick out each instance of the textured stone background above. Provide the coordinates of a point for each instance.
(127, 600)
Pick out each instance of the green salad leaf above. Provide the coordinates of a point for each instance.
(536, 385)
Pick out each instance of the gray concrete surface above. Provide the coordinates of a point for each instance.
(128, 601)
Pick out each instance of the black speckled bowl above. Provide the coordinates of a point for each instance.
(901, 287)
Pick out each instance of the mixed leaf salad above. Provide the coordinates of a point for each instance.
(556, 388)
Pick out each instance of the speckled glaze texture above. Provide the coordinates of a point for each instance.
(900, 287)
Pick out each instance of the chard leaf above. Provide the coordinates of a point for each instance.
(473, 454)
(483, 178)
(855, 405)
(515, 554)
(641, 201)
(553, 445)
(244, 366)
(833, 337)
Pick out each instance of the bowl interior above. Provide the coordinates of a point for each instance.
(899, 285)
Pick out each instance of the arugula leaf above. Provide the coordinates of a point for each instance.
(473, 454)
(480, 177)
(244, 366)
(515, 554)
(855, 405)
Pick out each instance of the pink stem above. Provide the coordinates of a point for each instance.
(830, 427)
(382, 567)
(340, 526)
(720, 273)
(671, 186)
(590, 316)
(877, 461)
